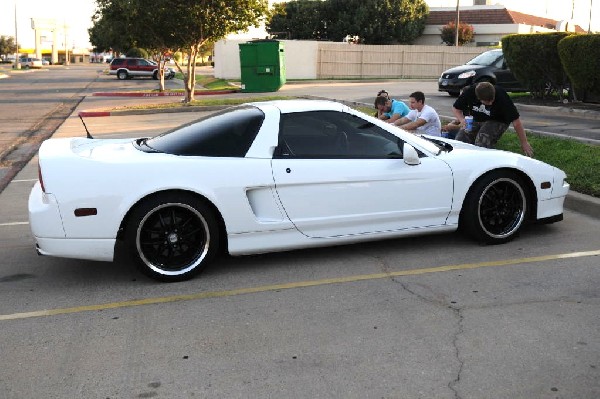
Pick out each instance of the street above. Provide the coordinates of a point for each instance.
(425, 317)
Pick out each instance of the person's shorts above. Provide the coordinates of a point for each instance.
(483, 134)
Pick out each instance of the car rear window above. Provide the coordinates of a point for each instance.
(118, 61)
(229, 133)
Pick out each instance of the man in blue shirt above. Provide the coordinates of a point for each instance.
(390, 110)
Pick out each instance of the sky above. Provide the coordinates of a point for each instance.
(76, 14)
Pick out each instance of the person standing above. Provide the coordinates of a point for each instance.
(493, 111)
(390, 110)
(422, 118)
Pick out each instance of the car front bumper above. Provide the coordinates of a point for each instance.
(452, 85)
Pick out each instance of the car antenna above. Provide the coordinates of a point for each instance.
(89, 136)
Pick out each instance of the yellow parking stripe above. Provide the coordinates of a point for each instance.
(301, 284)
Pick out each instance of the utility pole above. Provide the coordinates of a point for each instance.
(17, 64)
(590, 22)
(457, 22)
(66, 44)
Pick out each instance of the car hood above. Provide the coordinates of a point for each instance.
(463, 68)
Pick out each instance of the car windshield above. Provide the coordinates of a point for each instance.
(486, 59)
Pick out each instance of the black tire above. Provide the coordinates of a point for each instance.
(172, 236)
(122, 75)
(155, 75)
(495, 208)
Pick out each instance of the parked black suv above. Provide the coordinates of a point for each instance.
(486, 67)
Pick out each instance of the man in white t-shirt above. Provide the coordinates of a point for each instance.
(422, 118)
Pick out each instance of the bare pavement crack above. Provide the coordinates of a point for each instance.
(454, 309)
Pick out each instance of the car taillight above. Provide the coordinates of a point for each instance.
(40, 178)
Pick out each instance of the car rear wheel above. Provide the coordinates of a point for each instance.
(172, 236)
(122, 75)
(495, 208)
(155, 75)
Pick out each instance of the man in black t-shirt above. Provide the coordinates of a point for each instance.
(493, 111)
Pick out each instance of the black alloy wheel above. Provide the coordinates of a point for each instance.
(172, 236)
(496, 208)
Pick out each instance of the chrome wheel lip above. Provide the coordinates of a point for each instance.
(197, 261)
(515, 222)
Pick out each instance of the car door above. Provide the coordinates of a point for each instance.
(145, 68)
(504, 77)
(337, 174)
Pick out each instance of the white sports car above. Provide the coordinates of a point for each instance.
(276, 176)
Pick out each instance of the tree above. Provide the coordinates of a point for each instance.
(373, 21)
(7, 45)
(301, 19)
(200, 22)
(377, 21)
(114, 24)
(466, 33)
(169, 26)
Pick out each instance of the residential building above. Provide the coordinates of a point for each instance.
(490, 23)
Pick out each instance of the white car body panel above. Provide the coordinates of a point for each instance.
(268, 203)
(333, 197)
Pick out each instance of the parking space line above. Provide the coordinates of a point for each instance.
(23, 180)
(285, 286)
(13, 224)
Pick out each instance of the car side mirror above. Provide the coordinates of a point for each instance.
(411, 156)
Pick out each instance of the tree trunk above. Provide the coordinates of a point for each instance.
(190, 76)
(161, 73)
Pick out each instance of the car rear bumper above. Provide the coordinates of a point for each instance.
(46, 225)
(90, 249)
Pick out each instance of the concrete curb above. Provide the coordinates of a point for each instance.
(582, 203)
(162, 94)
(128, 112)
(582, 113)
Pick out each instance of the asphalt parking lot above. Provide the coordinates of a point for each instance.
(425, 317)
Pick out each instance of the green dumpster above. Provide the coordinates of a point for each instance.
(262, 65)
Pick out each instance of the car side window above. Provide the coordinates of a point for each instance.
(333, 134)
(144, 62)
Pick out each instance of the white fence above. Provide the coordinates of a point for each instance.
(329, 60)
(371, 61)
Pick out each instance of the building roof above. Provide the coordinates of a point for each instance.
(490, 15)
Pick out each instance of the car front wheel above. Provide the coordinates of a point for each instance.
(172, 236)
(495, 208)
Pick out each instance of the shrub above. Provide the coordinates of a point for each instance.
(136, 53)
(580, 55)
(534, 60)
(465, 33)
